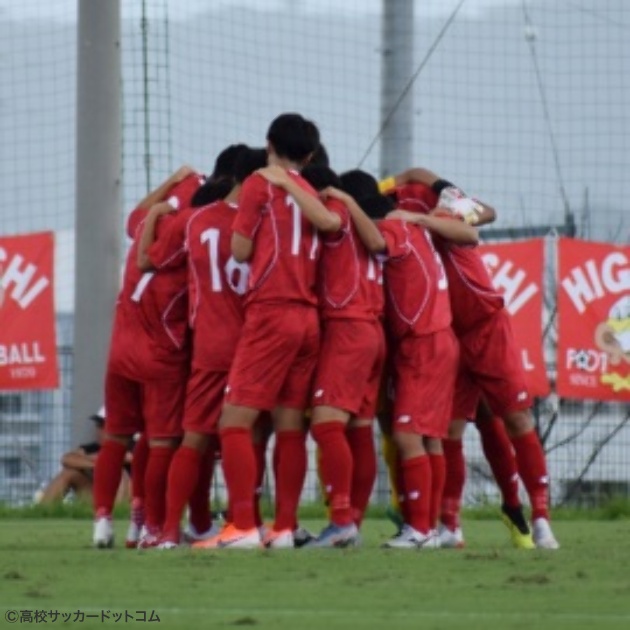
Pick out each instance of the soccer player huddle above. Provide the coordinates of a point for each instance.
(276, 296)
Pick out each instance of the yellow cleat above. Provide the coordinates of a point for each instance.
(520, 539)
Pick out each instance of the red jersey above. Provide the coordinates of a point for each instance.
(351, 280)
(216, 284)
(415, 198)
(286, 245)
(473, 296)
(149, 337)
(416, 286)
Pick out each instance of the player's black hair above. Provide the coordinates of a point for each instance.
(320, 177)
(293, 137)
(376, 206)
(359, 184)
(248, 162)
(212, 190)
(225, 161)
(320, 157)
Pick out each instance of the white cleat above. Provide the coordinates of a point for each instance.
(450, 539)
(133, 535)
(191, 535)
(336, 536)
(167, 544)
(409, 538)
(278, 540)
(103, 533)
(543, 536)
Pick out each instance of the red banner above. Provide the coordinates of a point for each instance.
(28, 348)
(593, 320)
(516, 270)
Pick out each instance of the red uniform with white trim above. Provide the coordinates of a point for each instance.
(489, 355)
(217, 284)
(425, 352)
(277, 351)
(351, 296)
(149, 352)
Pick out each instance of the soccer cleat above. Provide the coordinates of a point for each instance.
(278, 540)
(149, 537)
(520, 533)
(103, 533)
(301, 537)
(191, 535)
(167, 544)
(543, 536)
(450, 539)
(336, 536)
(133, 535)
(409, 538)
(231, 538)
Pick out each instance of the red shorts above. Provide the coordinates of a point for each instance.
(204, 400)
(156, 406)
(490, 356)
(467, 395)
(275, 358)
(425, 369)
(350, 366)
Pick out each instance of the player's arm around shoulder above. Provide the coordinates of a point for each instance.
(251, 200)
(367, 229)
(310, 205)
(147, 236)
(447, 226)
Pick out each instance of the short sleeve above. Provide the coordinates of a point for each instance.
(337, 207)
(395, 235)
(252, 199)
(137, 216)
(180, 195)
(168, 249)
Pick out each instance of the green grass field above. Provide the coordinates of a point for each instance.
(48, 564)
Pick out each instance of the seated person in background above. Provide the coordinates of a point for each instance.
(77, 470)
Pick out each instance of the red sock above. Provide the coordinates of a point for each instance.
(417, 483)
(532, 468)
(107, 475)
(400, 488)
(291, 447)
(260, 450)
(239, 469)
(155, 481)
(361, 442)
(454, 482)
(183, 477)
(438, 478)
(336, 466)
(200, 516)
(138, 471)
(500, 455)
